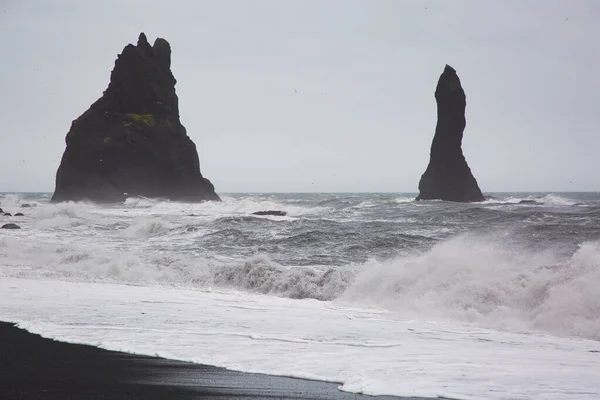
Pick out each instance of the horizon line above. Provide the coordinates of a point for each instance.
(347, 192)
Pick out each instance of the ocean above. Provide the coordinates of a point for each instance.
(386, 295)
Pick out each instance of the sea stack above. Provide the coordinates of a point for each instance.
(130, 142)
(448, 177)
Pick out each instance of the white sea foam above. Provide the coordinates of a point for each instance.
(474, 279)
(365, 204)
(93, 263)
(227, 207)
(10, 200)
(556, 200)
(420, 323)
(262, 275)
(371, 351)
(148, 226)
(483, 280)
(401, 200)
(504, 200)
(140, 202)
(548, 199)
(248, 205)
(15, 200)
(60, 215)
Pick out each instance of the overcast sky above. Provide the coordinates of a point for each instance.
(323, 95)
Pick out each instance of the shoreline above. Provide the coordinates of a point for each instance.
(33, 367)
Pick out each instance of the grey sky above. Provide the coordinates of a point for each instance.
(320, 95)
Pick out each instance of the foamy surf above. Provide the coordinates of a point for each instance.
(537, 199)
(413, 288)
(245, 205)
(472, 279)
(486, 281)
(367, 351)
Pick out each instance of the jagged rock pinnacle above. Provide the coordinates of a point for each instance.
(131, 139)
(143, 45)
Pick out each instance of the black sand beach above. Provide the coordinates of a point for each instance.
(32, 367)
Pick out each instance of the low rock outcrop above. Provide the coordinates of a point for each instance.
(448, 177)
(275, 213)
(10, 226)
(130, 142)
(529, 202)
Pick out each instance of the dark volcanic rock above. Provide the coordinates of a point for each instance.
(10, 226)
(271, 212)
(19, 215)
(448, 177)
(130, 142)
(7, 214)
(25, 205)
(529, 202)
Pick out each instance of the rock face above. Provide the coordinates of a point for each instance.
(130, 142)
(448, 177)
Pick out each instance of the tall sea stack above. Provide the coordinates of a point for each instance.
(130, 142)
(448, 177)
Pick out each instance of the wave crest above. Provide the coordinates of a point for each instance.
(261, 274)
(61, 215)
(148, 226)
(486, 281)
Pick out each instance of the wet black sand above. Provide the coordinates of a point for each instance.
(32, 367)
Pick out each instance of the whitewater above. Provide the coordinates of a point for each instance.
(493, 300)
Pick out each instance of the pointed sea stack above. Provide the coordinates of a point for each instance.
(130, 142)
(448, 177)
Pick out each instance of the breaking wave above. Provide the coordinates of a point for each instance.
(262, 275)
(148, 226)
(472, 279)
(90, 263)
(227, 207)
(484, 280)
(547, 199)
(519, 268)
(61, 215)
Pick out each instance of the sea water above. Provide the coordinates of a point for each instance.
(493, 300)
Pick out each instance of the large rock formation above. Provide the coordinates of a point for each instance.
(130, 142)
(448, 177)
